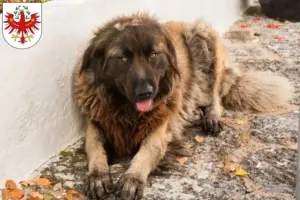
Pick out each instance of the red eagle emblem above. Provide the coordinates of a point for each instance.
(23, 26)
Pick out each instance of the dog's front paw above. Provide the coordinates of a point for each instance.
(212, 125)
(99, 185)
(130, 187)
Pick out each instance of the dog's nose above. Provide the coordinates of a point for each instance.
(143, 91)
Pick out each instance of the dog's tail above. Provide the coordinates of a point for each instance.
(258, 91)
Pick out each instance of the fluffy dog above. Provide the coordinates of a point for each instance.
(139, 83)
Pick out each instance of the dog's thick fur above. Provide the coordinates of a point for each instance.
(192, 73)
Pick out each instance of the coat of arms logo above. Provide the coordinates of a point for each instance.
(22, 24)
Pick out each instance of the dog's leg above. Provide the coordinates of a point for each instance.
(99, 178)
(212, 123)
(131, 184)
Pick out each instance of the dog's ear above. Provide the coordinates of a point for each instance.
(171, 54)
(93, 61)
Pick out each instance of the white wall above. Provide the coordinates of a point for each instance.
(36, 119)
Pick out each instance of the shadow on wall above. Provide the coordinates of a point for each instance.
(245, 3)
(76, 110)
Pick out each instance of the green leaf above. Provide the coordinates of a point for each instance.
(66, 153)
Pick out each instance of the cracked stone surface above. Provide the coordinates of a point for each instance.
(264, 145)
(276, 129)
(273, 170)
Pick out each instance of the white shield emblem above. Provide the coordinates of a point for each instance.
(22, 24)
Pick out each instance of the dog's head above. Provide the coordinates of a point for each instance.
(135, 56)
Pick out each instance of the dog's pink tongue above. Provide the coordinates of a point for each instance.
(143, 106)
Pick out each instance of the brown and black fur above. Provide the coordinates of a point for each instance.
(188, 72)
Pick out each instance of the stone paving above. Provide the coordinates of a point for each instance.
(264, 145)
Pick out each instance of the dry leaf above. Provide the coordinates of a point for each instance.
(240, 172)
(272, 26)
(244, 26)
(42, 182)
(182, 160)
(26, 183)
(10, 184)
(240, 122)
(36, 196)
(69, 197)
(231, 167)
(15, 194)
(199, 139)
(48, 196)
(4, 194)
(57, 187)
(72, 192)
(279, 38)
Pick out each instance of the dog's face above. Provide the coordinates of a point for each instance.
(138, 59)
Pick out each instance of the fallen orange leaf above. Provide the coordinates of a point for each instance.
(69, 197)
(245, 26)
(272, 26)
(4, 194)
(182, 160)
(42, 182)
(72, 192)
(10, 184)
(279, 38)
(15, 194)
(199, 139)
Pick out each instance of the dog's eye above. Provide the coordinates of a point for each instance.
(124, 59)
(153, 55)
